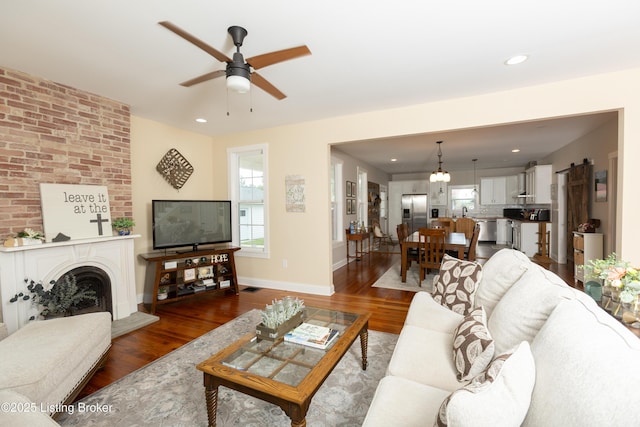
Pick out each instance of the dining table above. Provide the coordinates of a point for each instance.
(456, 242)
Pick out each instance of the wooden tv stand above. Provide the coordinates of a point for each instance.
(189, 274)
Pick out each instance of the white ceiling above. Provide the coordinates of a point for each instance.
(366, 55)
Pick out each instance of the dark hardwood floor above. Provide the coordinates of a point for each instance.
(186, 320)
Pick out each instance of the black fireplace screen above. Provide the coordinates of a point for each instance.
(92, 278)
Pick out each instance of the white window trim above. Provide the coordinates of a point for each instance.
(340, 200)
(234, 187)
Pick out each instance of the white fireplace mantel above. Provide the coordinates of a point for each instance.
(48, 261)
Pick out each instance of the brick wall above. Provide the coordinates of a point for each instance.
(54, 133)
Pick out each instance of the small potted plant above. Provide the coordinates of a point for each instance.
(123, 225)
(163, 292)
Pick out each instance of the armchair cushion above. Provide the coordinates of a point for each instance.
(457, 284)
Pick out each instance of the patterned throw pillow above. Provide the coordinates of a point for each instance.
(473, 346)
(500, 396)
(457, 284)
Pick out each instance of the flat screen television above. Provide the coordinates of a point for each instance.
(180, 223)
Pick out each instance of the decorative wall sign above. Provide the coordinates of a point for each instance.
(175, 168)
(295, 193)
(76, 211)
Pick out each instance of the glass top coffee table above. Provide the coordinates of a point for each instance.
(280, 372)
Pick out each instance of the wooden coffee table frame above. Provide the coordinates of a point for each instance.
(294, 401)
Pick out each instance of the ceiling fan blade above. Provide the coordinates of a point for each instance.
(263, 84)
(203, 78)
(261, 61)
(196, 41)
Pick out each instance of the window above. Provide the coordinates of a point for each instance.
(463, 196)
(363, 200)
(248, 190)
(337, 206)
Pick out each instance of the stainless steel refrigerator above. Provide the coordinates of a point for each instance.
(414, 211)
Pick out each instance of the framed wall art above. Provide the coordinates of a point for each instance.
(348, 188)
(601, 186)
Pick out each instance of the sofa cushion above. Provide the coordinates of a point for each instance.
(46, 360)
(402, 402)
(498, 397)
(457, 284)
(424, 356)
(499, 273)
(426, 313)
(524, 308)
(21, 412)
(587, 371)
(472, 345)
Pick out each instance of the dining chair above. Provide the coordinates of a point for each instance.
(379, 236)
(470, 254)
(444, 225)
(466, 226)
(431, 249)
(403, 233)
(452, 223)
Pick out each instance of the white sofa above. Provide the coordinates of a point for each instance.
(45, 364)
(573, 364)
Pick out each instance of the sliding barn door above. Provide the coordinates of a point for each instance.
(578, 180)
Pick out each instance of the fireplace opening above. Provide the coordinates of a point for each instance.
(96, 279)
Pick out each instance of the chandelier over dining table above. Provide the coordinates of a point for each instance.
(440, 175)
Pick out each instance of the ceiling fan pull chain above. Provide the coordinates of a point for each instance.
(227, 102)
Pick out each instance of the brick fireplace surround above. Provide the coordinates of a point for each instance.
(52, 133)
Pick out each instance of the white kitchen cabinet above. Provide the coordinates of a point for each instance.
(529, 237)
(586, 247)
(438, 194)
(512, 189)
(539, 184)
(493, 191)
(502, 229)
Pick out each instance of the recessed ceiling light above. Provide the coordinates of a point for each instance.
(516, 59)
(201, 120)
(394, 160)
(515, 150)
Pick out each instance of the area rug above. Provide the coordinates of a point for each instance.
(170, 391)
(132, 322)
(391, 279)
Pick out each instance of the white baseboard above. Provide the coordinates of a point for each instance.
(287, 286)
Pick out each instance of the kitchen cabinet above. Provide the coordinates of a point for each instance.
(502, 229)
(586, 247)
(526, 237)
(493, 191)
(512, 189)
(438, 194)
(539, 184)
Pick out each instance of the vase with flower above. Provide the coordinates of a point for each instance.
(621, 282)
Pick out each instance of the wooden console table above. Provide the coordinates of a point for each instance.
(188, 274)
(359, 239)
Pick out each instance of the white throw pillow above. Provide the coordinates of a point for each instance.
(524, 308)
(499, 273)
(498, 397)
(457, 284)
(473, 346)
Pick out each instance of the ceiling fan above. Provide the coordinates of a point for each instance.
(238, 72)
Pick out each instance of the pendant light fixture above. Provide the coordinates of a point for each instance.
(475, 183)
(439, 175)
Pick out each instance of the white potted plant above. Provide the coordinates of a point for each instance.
(163, 292)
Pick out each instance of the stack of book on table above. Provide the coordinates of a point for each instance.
(312, 335)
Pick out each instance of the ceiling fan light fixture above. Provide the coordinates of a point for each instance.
(439, 175)
(238, 75)
(238, 84)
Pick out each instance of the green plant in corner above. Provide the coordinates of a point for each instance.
(59, 298)
(123, 225)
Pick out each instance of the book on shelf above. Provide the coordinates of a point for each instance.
(312, 335)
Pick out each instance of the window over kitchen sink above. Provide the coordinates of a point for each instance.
(463, 196)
